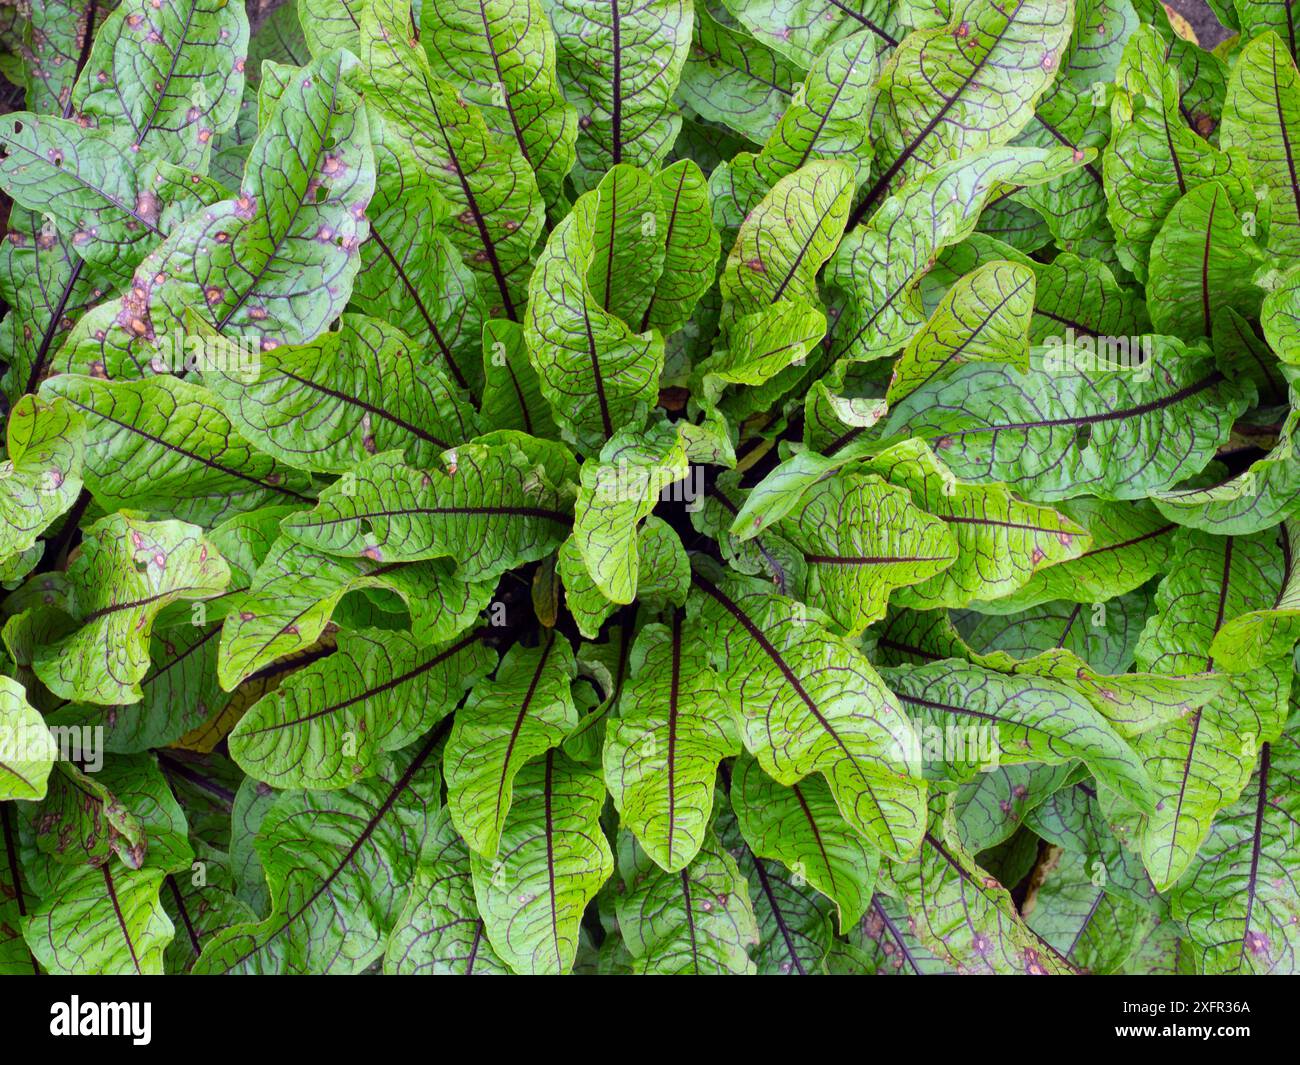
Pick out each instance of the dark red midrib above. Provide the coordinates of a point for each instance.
(816, 831)
(616, 78)
(673, 711)
(11, 856)
(443, 347)
(47, 337)
(690, 920)
(183, 910)
(524, 706)
(872, 560)
(1257, 840)
(893, 931)
(668, 239)
(1196, 716)
(547, 797)
(777, 913)
(1069, 624)
(121, 921)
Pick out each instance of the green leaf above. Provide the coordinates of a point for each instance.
(959, 88)
(861, 538)
(339, 865)
(354, 391)
(128, 570)
(616, 494)
(166, 76)
(593, 369)
(698, 922)
(804, 29)
(801, 827)
(553, 859)
(1001, 540)
(620, 65)
(1201, 262)
(662, 752)
(489, 508)
(1201, 762)
(440, 931)
(27, 749)
(40, 477)
(732, 79)
(984, 317)
(524, 711)
(786, 239)
(101, 921)
(1067, 428)
(166, 446)
(826, 119)
(1027, 719)
(809, 702)
(295, 590)
(328, 724)
(1239, 901)
(504, 54)
(1257, 637)
(1261, 119)
(879, 263)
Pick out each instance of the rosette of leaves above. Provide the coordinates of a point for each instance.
(762, 487)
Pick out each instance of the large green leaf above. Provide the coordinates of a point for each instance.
(861, 538)
(128, 570)
(357, 390)
(328, 724)
(1001, 540)
(696, 922)
(1240, 900)
(440, 930)
(662, 751)
(553, 859)
(166, 446)
(489, 508)
(1201, 762)
(1066, 428)
(801, 827)
(619, 65)
(499, 211)
(340, 865)
(525, 710)
(809, 702)
(956, 89)
(503, 54)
